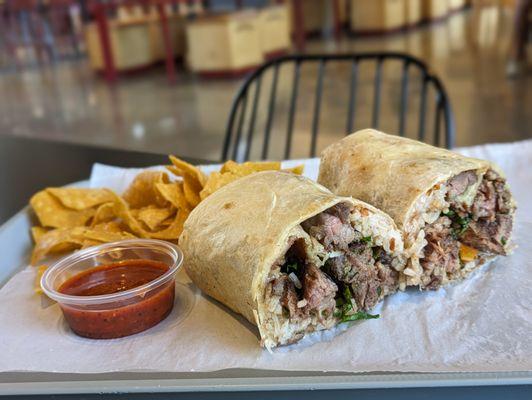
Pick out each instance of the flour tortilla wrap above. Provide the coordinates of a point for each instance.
(247, 246)
(415, 183)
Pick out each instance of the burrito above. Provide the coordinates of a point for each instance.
(290, 256)
(455, 212)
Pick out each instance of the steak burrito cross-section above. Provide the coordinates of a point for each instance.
(455, 212)
(290, 256)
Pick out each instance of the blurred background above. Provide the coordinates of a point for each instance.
(160, 76)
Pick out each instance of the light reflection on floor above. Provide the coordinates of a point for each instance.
(143, 112)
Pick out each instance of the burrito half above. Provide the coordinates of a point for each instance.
(289, 255)
(455, 212)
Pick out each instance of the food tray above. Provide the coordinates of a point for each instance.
(15, 245)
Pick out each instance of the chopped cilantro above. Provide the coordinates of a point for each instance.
(379, 291)
(345, 307)
(347, 294)
(503, 241)
(460, 224)
(366, 239)
(291, 267)
(359, 315)
(449, 213)
(463, 223)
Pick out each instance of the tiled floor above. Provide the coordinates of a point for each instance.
(143, 112)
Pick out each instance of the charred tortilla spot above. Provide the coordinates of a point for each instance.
(228, 206)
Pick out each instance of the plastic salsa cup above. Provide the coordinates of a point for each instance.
(126, 309)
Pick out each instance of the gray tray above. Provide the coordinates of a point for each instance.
(15, 246)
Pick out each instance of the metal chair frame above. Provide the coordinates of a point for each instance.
(238, 109)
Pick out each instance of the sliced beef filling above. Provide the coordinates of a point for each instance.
(318, 289)
(285, 289)
(305, 290)
(368, 275)
(316, 294)
(331, 228)
(441, 255)
(489, 236)
(490, 214)
(459, 184)
(367, 270)
(388, 276)
(357, 269)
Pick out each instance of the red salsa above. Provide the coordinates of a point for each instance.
(123, 317)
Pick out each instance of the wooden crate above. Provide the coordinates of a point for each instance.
(344, 15)
(314, 15)
(413, 12)
(130, 44)
(176, 26)
(377, 16)
(223, 44)
(455, 5)
(274, 30)
(435, 9)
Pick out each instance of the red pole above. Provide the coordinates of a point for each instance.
(337, 22)
(105, 41)
(299, 25)
(170, 64)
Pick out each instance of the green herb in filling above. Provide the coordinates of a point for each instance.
(503, 241)
(360, 315)
(366, 239)
(459, 223)
(463, 223)
(449, 214)
(346, 307)
(290, 266)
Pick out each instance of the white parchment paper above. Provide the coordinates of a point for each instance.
(483, 324)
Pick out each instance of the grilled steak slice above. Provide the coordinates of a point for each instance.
(460, 183)
(318, 289)
(285, 289)
(365, 286)
(441, 252)
(489, 236)
(330, 230)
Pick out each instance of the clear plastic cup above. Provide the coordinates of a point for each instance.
(122, 313)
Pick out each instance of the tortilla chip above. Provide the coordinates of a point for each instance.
(250, 167)
(106, 236)
(57, 241)
(153, 216)
(173, 193)
(183, 168)
(81, 198)
(38, 276)
(216, 181)
(111, 226)
(89, 243)
(51, 213)
(192, 190)
(174, 230)
(122, 211)
(298, 169)
(142, 192)
(37, 233)
(104, 213)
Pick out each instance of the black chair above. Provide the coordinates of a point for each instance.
(250, 103)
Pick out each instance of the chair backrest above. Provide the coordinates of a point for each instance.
(264, 105)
